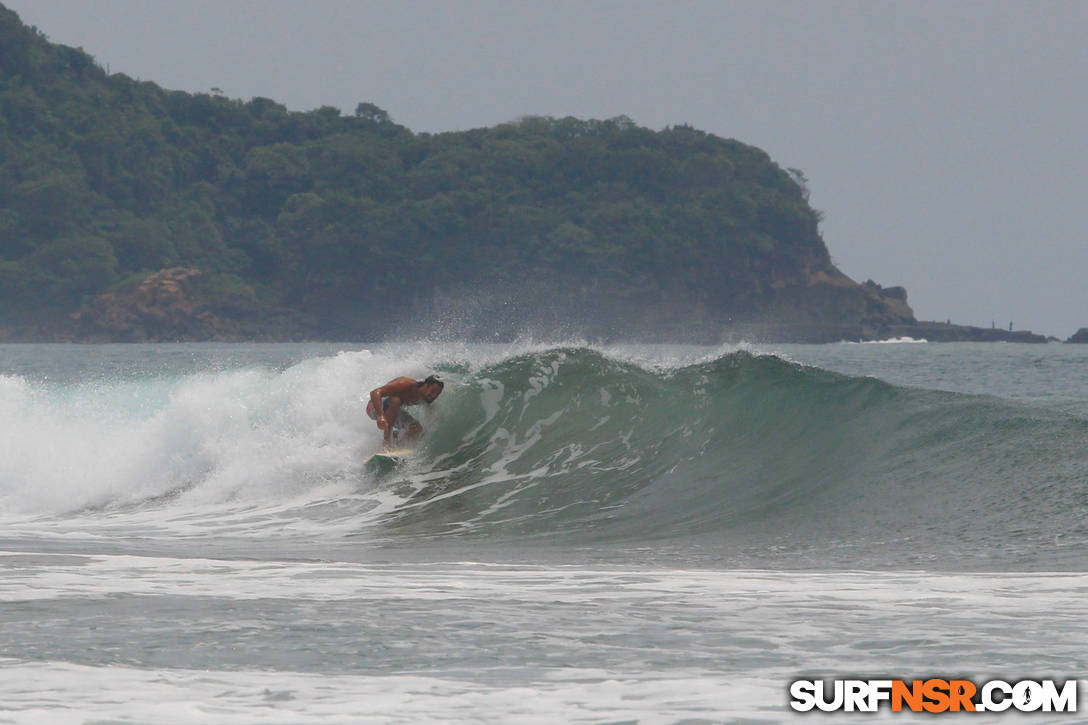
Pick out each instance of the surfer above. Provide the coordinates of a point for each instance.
(387, 405)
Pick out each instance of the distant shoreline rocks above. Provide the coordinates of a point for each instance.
(917, 332)
(1079, 337)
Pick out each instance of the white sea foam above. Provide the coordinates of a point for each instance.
(905, 340)
(65, 693)
(652, 645)
(105, 576)
(251, 434)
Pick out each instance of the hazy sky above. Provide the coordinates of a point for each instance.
(945, 142)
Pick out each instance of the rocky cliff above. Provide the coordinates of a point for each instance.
(166, 307)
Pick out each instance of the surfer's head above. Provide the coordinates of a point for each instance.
(430, 388)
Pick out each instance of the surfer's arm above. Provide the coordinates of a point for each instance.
(376, 402)
(391, 415)
(392, 391)
(392, 408)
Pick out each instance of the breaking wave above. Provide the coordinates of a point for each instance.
(568, 445)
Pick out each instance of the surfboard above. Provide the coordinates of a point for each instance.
(386, 461)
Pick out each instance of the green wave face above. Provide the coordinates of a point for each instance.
(748, 452)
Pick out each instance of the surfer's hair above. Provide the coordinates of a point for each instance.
(432, 380)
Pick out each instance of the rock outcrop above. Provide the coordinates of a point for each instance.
(167, 306)
(1080, 336)
(827, 307)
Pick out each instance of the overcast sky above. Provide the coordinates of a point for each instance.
(945, 142)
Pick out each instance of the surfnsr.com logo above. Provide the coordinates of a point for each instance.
(933, 695)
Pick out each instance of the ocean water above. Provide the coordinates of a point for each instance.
(651, 534)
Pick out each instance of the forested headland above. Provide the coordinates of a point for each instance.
(132, 212)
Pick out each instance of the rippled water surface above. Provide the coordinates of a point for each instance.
(653, 534)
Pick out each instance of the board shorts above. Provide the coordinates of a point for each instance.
(404, 418)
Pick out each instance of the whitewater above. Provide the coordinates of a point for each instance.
(635, 533)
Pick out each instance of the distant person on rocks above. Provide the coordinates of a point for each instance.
(387, 403)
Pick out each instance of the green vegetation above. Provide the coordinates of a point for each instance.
(354, 223)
